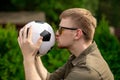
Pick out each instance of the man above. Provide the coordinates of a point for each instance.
(75, 33)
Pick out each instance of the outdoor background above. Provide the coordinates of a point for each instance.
(107, 13)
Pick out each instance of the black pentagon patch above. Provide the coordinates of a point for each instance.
(46, 35)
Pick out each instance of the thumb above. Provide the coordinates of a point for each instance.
(39, 42)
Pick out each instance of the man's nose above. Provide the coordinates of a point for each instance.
(57, 33)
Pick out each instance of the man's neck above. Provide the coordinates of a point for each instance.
(78, 48)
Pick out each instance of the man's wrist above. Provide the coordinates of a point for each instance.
(28, 60)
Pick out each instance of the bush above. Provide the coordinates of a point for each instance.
(109, 47)
(10, 56)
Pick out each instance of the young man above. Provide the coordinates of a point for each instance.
(75, 33)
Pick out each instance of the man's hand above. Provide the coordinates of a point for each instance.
(28, 48)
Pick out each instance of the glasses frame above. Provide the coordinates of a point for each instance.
(60, 30)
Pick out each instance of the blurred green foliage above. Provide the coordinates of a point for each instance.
(10, 55)
(109, 8)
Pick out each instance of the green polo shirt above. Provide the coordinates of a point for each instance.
(89, 65)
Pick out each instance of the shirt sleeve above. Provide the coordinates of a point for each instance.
(82, 75)
(58, 74)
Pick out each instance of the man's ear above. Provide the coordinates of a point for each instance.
(78, 34)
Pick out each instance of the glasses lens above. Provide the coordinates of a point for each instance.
(60, 30)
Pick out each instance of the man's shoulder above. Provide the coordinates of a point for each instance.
(82, 73)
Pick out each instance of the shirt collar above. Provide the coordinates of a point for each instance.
(81, 58)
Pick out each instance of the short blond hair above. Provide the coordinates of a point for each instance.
(82, 19)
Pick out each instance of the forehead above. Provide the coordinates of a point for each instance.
(66, 22)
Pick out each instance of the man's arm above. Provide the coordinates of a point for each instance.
(30, 70)
(40, 68)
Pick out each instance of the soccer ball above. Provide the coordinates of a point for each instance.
(45, 30)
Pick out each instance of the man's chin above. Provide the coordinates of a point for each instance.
(60, 46)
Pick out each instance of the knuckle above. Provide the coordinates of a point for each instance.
(28, 42)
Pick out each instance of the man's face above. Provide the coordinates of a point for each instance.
(65, 33)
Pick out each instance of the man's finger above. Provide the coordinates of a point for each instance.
(21, 35)
(30, 34)
(39, 42)
(25, 33)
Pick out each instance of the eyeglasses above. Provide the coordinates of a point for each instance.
(60, 30)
